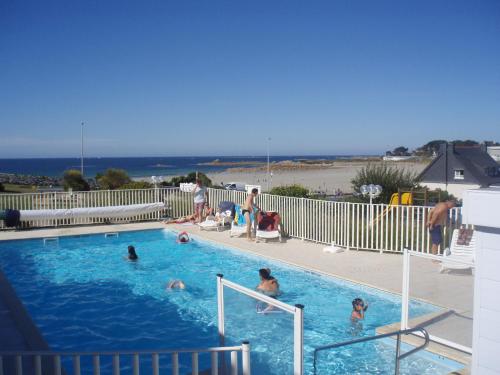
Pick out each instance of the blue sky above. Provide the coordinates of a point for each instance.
(176, 78)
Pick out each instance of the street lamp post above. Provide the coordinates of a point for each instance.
(371, 191)
(268, 168)
(81, 151)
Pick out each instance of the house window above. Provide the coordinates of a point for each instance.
(459, 174)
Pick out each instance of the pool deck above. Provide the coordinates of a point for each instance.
(453, 291)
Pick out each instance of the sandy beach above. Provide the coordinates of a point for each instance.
(324, 178)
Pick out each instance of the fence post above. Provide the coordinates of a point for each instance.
(302, 218)
(405, 291)
(220, 308)
(298, 340)
(245, 357)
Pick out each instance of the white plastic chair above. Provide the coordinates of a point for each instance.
(459, 257)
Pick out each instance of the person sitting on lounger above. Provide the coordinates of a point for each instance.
(182, 220)
(176, 284)
(132, 255)
(358, 309)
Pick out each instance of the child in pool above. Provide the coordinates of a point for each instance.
(358, 309)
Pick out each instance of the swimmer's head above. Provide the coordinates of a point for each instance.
(265, 273)
(131, 252)
(176, 284)
(255, 191)
(183, 237)
(357, 302)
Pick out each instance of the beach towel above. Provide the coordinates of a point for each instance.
(239, 218)
(268, 221)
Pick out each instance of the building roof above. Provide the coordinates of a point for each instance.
(478, 166)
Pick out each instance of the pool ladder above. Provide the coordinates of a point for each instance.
(399, 356)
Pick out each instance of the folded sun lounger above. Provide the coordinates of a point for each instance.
(460, 255)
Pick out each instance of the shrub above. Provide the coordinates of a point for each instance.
(390, 178)
(2, 188)
(136, 185)
(191, 177)
(113, 179)
(297, 191)
(74, 180)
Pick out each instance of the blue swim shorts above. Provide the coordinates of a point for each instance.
(436, 235)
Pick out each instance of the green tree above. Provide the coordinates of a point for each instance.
(2, 188)
(113, 179)
(191, 177)
(295, 190)
(390, 178)
(136, 185)
(430, 147)
(74, 180)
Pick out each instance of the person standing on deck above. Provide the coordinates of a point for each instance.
(435, 222)
(200, 198)
(248, 209)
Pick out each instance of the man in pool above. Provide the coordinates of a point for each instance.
(358, 309)
(269, 286)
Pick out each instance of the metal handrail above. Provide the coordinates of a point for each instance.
(377, 337)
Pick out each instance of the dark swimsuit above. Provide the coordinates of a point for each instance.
(243, 212)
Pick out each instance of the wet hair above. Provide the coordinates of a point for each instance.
(255, 191)
(358, 302)
(131, 253)
(265, 273)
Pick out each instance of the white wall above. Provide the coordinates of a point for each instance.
(457, 190)
(481, 208)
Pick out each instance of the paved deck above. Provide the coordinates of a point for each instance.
(382, 271)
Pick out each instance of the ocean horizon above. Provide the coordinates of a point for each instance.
(141, 166)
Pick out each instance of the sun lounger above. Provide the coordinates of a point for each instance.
(223, 217)
(460, 255)
(268, 226)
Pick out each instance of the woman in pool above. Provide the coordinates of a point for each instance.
(132, 255)
(183, 237)
(358, 309)
(268, 284)
(176, 284)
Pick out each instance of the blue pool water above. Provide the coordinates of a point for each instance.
(83, 295)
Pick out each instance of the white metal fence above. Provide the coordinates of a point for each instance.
(38, 362)
(378, 227)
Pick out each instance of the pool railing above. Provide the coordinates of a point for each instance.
(49, 362)
(297, 311)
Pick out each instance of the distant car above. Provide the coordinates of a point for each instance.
(238, 186)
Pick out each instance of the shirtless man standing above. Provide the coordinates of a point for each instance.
(248, 208)
(435, 221)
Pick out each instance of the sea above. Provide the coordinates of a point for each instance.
(141, 166)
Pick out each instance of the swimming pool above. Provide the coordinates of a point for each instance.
(84, 296)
